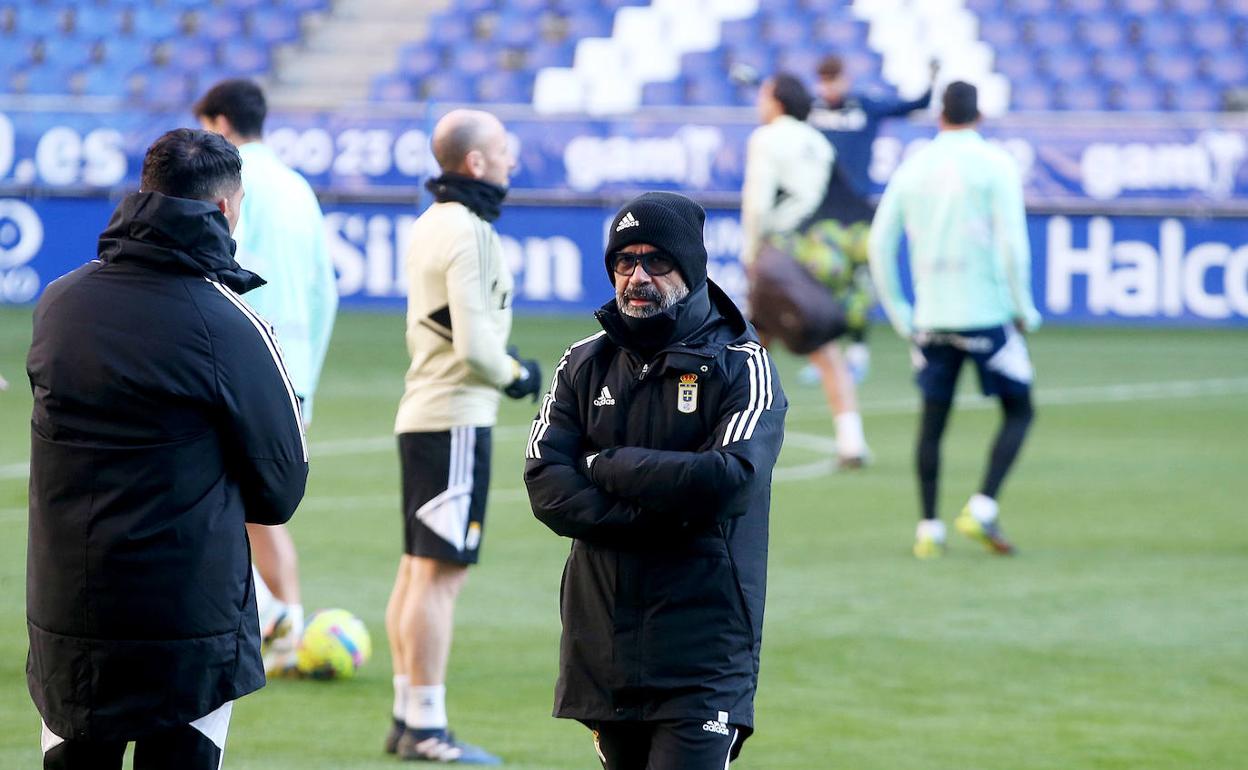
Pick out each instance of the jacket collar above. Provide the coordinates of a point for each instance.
(177, 235)
(701, 320)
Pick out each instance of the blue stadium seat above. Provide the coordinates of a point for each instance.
(243, 56)
(475, 58)
(191, 54)
(549, 55)
(42, 21)
(840, 33)
(1196, 96)
(1211, 33)
(701, 63)
(710, 91)
(1085, 95)
(1101, 32)
(1048, 31)
(1161, 32)
(1119, 65)
(1137, 96)
(45, 79)
(739, 32)
(417, 60)
(99, 20)
(1173, 67)
(166, 87)
(129, 51)
(1226, 71)
(588, 24)
(1000, 32)
(1032, 94)
(529, 7)
(801, 62)
(107, 80)
(273, 25)
(504, 87)
(451, 28)
(515, 29)
(390, 88)
(1015, 63)
(786, 31)
(446, 87)
(663, 94)
(218, 23)
(1141, 7)
(153, 21)
(1062, 64)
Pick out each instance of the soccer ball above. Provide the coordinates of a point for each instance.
(335, 644)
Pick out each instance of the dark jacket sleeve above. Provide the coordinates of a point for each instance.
(562, 496)
(266, 448)
(896, 108)
(716, 480)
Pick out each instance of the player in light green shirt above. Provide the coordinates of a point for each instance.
(959, 201)
(280, 236)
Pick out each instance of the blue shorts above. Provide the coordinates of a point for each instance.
(999, 354)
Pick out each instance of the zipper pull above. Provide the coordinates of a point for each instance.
(645, 369)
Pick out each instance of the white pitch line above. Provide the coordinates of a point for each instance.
(1067, 396)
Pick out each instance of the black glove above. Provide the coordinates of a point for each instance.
(529, 383)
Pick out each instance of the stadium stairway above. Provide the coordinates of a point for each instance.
(348, 48)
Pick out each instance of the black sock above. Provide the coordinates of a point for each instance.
(927, 456)
(1016, 418)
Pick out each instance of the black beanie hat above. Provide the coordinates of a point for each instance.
(668, 222)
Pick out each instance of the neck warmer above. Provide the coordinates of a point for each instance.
(648, 336)
(482, 198)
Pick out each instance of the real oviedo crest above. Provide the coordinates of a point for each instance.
(687, 394)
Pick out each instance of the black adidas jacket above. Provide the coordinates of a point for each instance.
(662, 595)
(163, 419)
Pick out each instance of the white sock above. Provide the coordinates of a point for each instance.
(426, 707)
(858, 356)
(983, 508)
(400, 696)
(850, 441)
(294, 614)
(268, 606)
(931, 529)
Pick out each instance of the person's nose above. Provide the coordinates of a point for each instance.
(639, 277)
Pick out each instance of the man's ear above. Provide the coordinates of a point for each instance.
(474, 162)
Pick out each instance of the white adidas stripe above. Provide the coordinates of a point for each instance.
(271, 343)
(742, 424)
(542, 423)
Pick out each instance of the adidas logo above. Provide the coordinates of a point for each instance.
(628, 221)
(712, 726)
(604, 398)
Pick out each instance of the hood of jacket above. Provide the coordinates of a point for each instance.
(177, 235)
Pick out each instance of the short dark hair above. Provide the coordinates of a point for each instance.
(960, 104)
(240, 101)
(830, 67)
(792, 94)
(190, 163)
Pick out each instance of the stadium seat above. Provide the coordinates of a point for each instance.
(1082, 95)
(390, 88)
(504, 87)
(1136, 96)
(1101, 33)
(273, 25)
(416, 60)
(1063, 64)
(245, 57)
(100, 20)
(153, 21)
(663, 94)
(1032, 95)
(41, 21)
(1210, 33)
(216, 23)
(549, 55)
(445, 87)
(1226, 71)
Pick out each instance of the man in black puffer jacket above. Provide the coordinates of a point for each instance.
(163, 420)
(653, 450)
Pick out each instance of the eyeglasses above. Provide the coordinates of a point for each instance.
(656, 263)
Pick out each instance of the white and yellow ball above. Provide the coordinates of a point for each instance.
(335, 645)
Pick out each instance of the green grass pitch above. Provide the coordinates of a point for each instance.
(1118, 638)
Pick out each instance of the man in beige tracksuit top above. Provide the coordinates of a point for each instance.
(458, 321)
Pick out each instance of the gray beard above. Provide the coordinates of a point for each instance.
(661, 300)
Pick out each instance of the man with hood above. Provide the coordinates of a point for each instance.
(654, 451)
(164, 421)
